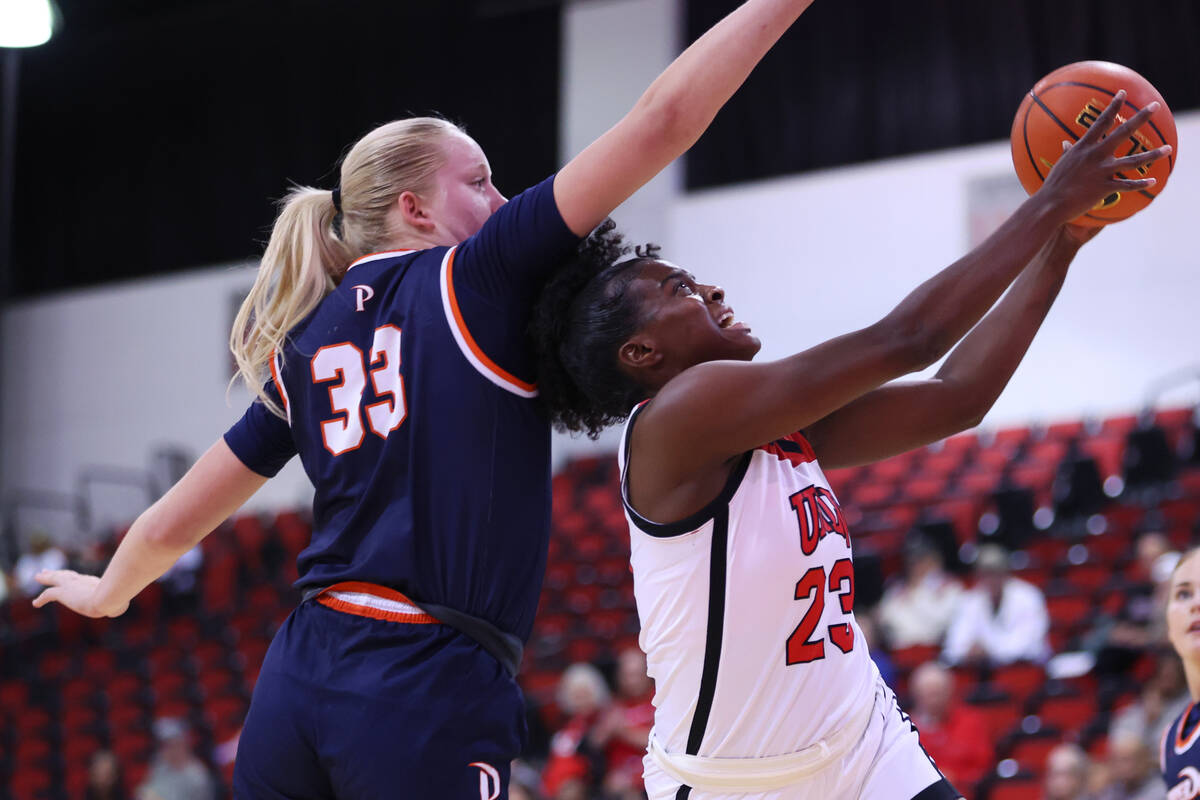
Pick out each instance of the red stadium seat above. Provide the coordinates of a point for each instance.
(977, 483)
(942, 464)
(294, 531)
(1014, 789)
(1069, 610)
(1001, 716)
(13, 695)
(1019, 680)
(1031, 751)
(908, 658)
(31, 749)
(1107, 452)
(871, 494)
(77, 692)
(29, 782)
(1174, 418)
(925, 489)
(1061, 432)
(1089, 578)
(1067, 714)
(99, 663)
(132, 747)
(126, 716)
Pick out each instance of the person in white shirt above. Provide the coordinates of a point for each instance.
(42, 555)
(917, 608)
(1000, 620)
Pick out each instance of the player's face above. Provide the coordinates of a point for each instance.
(1183, 610)
(462, 197)
(689, 321)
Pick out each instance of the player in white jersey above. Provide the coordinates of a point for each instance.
(741, 555)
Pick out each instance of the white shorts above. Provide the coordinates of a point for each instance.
(886, 763)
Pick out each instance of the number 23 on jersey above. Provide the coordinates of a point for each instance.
(347, 365)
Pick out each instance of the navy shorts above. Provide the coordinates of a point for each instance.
(349, 706)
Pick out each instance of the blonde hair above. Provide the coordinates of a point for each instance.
(306, 258)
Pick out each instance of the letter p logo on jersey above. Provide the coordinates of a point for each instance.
(362, 293)
(489, 780)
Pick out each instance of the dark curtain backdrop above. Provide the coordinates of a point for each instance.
(155, 135)
(857, 80)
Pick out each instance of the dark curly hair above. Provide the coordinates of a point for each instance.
(580, 320)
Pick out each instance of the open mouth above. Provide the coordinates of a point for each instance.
(1194, 627)
(726, 320)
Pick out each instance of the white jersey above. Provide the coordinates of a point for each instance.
(746, 610)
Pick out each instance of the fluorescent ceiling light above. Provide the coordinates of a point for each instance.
(26, 23)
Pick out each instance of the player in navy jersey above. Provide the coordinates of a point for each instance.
(741, 556)
(385, 337)
(1179, 752)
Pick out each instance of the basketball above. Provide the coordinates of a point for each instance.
(1061, 107)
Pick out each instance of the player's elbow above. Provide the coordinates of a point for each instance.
(665, 123)
(911, 346)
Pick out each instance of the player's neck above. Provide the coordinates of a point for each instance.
(1191, 671)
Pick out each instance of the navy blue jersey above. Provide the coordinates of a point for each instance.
(408, 394)
(1179, 755)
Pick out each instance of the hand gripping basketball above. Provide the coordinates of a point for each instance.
(1087, 171)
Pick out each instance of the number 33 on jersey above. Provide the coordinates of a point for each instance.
(345, 368)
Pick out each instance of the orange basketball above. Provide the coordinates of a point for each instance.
(1061, 107)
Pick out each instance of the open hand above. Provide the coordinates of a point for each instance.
(1086, 173)
(73, 590)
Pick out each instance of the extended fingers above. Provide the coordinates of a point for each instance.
(1126, 128)
(1100, 127)
(51, 577)
(1141, 159)
(47, 596)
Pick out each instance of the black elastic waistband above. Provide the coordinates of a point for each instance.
(504, 647)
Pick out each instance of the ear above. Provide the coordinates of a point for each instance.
(412, 211)
(639, 353)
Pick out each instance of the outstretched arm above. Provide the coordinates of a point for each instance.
(672, 114)
(902, 416)
(737, 406)
(216, 486)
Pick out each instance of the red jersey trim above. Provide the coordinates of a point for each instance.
(374, 601)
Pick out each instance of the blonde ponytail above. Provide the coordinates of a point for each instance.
(303, 262)
(305, 259)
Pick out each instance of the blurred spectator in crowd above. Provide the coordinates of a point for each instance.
(4, 586)
(181, 580)
(955, 735)
(622, 732)
(1000, 620)
(1133, 772)
(1163, 698)
(576, 765)
(104, 777)
(176, 773)
(917, 608)
(1066, 775)
(524, 782)
(1139, 624)
(877, 644)
(42, 554)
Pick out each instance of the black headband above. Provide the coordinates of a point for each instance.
(337, 199)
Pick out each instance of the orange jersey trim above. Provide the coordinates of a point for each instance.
(470, 340)
(388, 597)
(287, 406)
(1180, 744)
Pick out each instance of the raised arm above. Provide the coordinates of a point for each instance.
(738, 405)
(216, 486)
(901, 416)
(672, 114)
